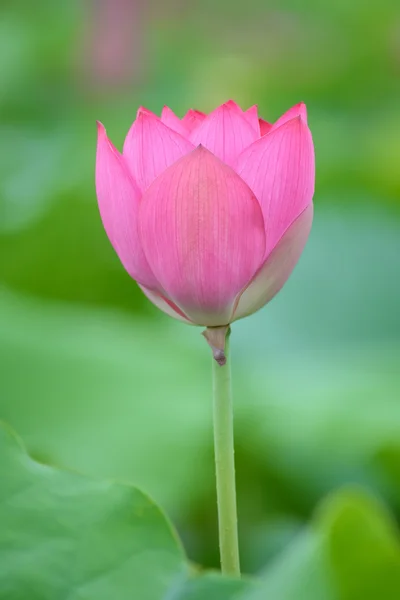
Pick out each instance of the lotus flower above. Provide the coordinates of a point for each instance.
(209, 213)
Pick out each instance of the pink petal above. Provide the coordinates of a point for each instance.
(265, 127)
(118, 197)
(203, 234)
(299, 110)
(193, 119)
(165, 305)
(146, 111)
(225, 132)
(280, 170)
(150, 147)
(232, 105)
(169, 118)
(251, 116)
(277, 268)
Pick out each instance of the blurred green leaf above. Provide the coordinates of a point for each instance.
(301, 572)
(212, 586)
(350, 552)
(109, 395)
(62, 534)
(363, 547)
(387, 463)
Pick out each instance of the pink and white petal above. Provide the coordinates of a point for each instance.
(169, 118)
(150, 147)
(118, 198)
(202, 232)
(280, 169)
(251, 115)
(225, 132)
(165, 305)
(298, 110)
(193, 119)
(265, 127)
(277, 267)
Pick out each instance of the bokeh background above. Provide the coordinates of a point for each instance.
(96, 379)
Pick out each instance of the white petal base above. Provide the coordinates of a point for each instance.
(161, 303)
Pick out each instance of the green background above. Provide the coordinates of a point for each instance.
(95, 379)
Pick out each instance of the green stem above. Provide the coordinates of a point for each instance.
(225, 466)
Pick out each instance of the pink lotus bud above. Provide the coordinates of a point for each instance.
(209, 213)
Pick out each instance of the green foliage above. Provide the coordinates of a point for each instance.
(370, 566)
(63, 534)
(350, 552)
(95, 379)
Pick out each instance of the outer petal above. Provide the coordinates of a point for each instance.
(165, 305)
(225, 132)
(203, 234)
(265, 127)
(171, 120)
(277, 268)
(150, 147)
(118, 197)
(299, 110)
(280, 170)
(251, 115)
(193, 119)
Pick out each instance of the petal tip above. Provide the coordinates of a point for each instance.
(101, 130)
(200, 149)
(302, 108)
(231, 105)
(144, 112)
(195, 112)
(102, 137)
(296, 121)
